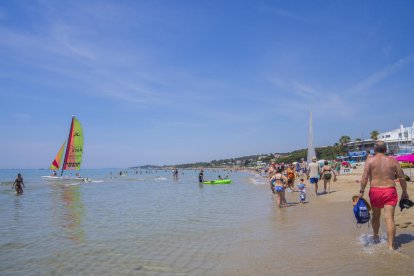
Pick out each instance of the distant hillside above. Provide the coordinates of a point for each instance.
(328, 153)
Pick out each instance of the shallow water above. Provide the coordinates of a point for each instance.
(148, 224)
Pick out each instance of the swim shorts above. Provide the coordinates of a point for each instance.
(290, 180)
(383, 196)
(313, 180)
(279, 188)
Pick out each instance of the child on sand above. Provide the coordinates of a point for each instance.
(302, 190)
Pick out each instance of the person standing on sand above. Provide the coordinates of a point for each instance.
(326, 175)
(313, 174)
(272, 171)
(18, 184)
(381, 170)
(290, 171)
(303, 167)
(278, 186)
(338, 167)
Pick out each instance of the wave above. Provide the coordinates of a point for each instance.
(258, 180)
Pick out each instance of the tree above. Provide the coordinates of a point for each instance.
(358, 140)
(374, 134)
(344, 140)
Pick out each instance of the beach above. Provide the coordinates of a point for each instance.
(149, 224)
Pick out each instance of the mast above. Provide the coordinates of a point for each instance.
(67, 145)
(311, 147)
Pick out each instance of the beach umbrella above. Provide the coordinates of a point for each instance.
(409, 158)
(406, 158)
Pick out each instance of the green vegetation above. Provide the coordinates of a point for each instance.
(328, 153)
(374, 134)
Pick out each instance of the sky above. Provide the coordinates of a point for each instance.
(170, 82)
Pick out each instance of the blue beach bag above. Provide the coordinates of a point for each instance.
(361, 212)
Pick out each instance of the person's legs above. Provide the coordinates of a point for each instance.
(324, 184)
(292, 185)
(284, 202)
(376, 214)
(389, 220)
(279, 199)
(328, 185)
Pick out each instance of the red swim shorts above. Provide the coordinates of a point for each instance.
(383, 196)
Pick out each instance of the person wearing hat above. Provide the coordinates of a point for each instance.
(313, 174)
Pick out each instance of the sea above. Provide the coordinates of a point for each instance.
(144, 222)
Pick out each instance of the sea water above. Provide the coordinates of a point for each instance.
(146, 223)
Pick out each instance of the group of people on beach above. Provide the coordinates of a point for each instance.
(381, 171)
(283, 177)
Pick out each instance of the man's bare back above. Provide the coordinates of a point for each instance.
(381, 171)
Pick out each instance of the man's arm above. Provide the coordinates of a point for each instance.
(364, 178)
(401, 178)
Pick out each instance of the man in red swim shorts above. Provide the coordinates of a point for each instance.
(381, 171)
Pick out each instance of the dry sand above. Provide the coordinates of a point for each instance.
(346, 186)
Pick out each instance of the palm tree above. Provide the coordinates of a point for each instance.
(374, 134)
(344, 140)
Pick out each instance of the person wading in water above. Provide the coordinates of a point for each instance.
(18, 184)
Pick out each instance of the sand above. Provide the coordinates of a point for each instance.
(346, 186)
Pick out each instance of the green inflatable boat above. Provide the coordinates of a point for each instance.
(218, 181)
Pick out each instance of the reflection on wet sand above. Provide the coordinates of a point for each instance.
(71, 215)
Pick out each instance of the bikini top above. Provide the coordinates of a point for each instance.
(280, 177)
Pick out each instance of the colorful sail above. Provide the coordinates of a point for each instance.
(74, 150)
(58, 159)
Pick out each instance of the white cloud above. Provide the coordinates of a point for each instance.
(376, 77)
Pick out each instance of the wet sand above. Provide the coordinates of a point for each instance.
(321, 238)
(346, 187)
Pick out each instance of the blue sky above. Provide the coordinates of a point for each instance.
(167, 82)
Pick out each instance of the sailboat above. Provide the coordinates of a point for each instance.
(69, 156)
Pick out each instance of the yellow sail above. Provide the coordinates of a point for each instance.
(58, 159)
(74, 150)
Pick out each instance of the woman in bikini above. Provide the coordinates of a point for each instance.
(278, 183)
(326, 175)
(18, 184)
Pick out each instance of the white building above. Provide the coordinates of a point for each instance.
(399, 140)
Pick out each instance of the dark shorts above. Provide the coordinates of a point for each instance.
(327, 176)
(313, 180)
(290, 181)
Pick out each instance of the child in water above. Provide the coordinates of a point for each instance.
(302, 190)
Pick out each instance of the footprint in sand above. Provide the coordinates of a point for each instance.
(408, 222)
(397, 224)
(405, 226)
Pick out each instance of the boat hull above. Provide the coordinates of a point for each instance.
(221, 181)
(65, 178)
